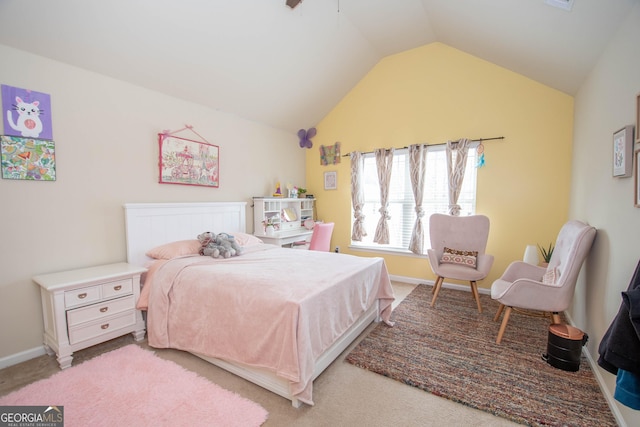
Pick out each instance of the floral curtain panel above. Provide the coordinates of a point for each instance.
(357, 196)
(384, 163)
(456, 164)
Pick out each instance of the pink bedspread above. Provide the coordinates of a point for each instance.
(270, 307)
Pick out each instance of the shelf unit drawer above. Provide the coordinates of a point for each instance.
(116, 289)
(100, 310)
(81, 296)
(101, 326)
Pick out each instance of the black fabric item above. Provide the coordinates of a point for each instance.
(620, 346)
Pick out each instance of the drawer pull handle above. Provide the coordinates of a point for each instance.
(117, 288)
(82, 295)
(105, 326)
(104, 309)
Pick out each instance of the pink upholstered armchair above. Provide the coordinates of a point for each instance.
(547, 290)
(466, 239)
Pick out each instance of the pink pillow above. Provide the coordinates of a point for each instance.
(454, 256)
(551, 276)
(244, 239)
(175, 249)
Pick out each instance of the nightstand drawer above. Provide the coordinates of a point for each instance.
(101, 326)
(100, 310)
(118, 288)
(82, 296)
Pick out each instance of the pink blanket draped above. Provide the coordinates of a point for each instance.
(270, 307)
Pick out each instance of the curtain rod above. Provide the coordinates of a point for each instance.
(442, 143)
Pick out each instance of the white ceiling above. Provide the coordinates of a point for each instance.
(288, 68)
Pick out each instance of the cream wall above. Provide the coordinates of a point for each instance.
(604, 104)
(107, 154)
(435, 93)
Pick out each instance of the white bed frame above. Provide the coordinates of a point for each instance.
(152, 224)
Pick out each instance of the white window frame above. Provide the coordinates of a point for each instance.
(401, 201)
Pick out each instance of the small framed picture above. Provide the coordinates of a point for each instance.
(623, 152)
(636, 186)
(331, 180)
(638, 118)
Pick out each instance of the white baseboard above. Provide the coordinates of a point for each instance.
(23, 356)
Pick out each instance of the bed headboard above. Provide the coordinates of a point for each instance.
(151, 224)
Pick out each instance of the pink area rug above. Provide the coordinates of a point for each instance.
(133, 387)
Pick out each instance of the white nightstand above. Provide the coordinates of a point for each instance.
(85, 307)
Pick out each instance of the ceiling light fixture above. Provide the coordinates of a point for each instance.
(561, 4)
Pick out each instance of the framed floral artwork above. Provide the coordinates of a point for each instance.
(28, 158)
(188, 162)
(623, 152)
(331, 180)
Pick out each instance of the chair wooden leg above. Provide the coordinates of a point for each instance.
(555, 317)
(436, 289)
(476, 295)
(497, 316)
(503, 326)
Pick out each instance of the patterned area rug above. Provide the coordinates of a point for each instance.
(449, 350)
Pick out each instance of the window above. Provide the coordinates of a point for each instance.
(401, 202)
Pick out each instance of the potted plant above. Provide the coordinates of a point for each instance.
(301, 192)
(546, 254)
(269, 226)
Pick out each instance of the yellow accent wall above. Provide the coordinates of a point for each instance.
(435, 93)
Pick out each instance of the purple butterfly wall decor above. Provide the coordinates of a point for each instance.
(305, 137)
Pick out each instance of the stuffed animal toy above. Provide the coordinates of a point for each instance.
(208, 246)
(228, 244)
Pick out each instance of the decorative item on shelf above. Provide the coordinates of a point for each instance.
(531, 255)
(269, 226)
(305, 137)
(292, 191)
(301, 192)
(278, 192)
(546, 254)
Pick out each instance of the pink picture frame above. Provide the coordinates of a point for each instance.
(188, 162)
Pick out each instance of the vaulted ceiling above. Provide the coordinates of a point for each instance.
(287, 68)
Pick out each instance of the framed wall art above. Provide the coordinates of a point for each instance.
(188, 162)
(28, 158)
(26, 113)
(636, 186)
(331, 180)
(623, 152)
(638, 118)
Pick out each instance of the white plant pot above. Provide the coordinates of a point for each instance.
(269, 230)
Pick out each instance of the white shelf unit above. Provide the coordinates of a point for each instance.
(287, 214)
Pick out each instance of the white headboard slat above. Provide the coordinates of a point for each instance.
(151, 224)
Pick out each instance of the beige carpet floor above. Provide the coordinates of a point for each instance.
(344, 395)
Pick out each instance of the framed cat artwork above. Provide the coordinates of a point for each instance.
(26, 113)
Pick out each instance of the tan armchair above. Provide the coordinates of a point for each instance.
(466, 238)
(544, 290)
